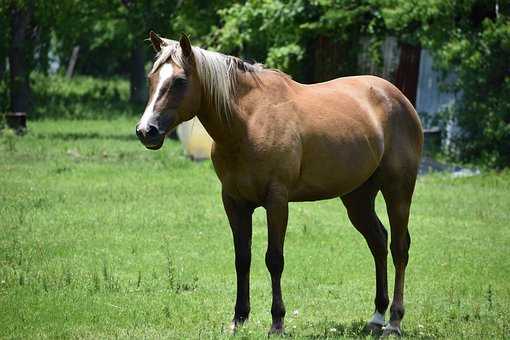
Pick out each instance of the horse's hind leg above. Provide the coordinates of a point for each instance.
(397, 192)
(277, 215)
(360, 208)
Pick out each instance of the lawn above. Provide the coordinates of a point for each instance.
(102, 238)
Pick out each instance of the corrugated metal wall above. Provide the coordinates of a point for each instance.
(430, 98)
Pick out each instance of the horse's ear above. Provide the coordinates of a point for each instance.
(156, 41)
(186, 47)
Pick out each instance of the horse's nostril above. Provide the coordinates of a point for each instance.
(139, 132)
(152, 132)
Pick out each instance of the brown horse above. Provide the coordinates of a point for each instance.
(278, 141)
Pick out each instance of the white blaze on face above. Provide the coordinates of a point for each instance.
(165, 72)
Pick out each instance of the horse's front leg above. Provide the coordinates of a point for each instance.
(277, 214)
(239, 214)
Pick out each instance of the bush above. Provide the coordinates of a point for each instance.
(470, 38)
(483, 115)
(56, 96)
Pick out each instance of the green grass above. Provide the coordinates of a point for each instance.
(102, 238)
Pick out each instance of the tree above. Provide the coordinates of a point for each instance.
(472, 39)
(26, 41)
(20, 51)
(4, 30)
(141, 16)
(288, 34)
(195, 17)
(111, 37)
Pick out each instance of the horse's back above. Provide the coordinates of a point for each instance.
(400, 123)
(380, 104)
(351, 127)
(403, 134)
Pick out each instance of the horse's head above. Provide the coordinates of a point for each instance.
(174, 90)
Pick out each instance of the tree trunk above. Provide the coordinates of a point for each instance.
(4, 92)
(72, 62)
(2, 66)
(19, 56)
(4, 29)
(137, 75)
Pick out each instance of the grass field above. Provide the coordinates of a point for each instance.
(102, 238)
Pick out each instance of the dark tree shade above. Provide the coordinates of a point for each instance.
(137, 74)
(19, 52)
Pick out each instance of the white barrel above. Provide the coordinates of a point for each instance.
(195, 139)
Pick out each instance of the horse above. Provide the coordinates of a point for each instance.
(278, 141)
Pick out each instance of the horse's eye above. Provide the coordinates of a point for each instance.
(179, 83)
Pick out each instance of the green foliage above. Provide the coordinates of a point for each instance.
(8, 137)
(101, 238)
(107, 31)
(283, 34)
(471, 40)
(265, 30)
(467, 38)
(81, 97)
(484, 80)
(196, 18)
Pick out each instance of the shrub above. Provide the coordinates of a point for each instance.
(55, 96)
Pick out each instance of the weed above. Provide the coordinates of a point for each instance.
(9, 139)
(490, 297)
(139, 280)
(96, 282)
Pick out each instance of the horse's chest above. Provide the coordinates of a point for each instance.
(241, 179)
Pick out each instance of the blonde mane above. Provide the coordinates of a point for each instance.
(218, 73)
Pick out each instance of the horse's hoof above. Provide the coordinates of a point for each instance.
(374, 328)
(390, 330)
(276, 329)
(234, 326)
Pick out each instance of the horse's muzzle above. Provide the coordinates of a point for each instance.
(150, 137)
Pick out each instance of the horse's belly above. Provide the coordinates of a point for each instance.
(322, 189)
(334, 170)
(303, 194)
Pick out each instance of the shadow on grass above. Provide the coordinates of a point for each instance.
(71, 136)
(356, 329)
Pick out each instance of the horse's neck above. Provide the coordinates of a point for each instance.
(221, 131)
(227, 130)
(251, 95)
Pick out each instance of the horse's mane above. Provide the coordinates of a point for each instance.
(218, 73)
